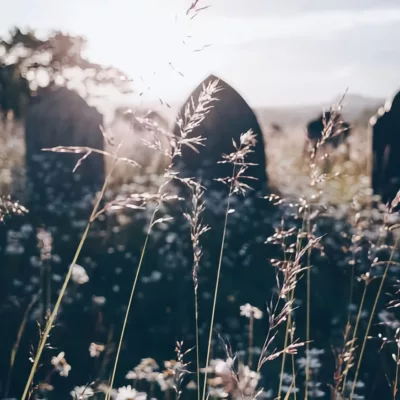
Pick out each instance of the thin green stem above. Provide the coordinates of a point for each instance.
(347, 368)
(216, 294)
(129, 306)
(251, 336)
(351, 291)
(48, 287)
(396, 379)
(17, 342)
(289, 321)
(42, 296)
(196, 305)
(54, 313)
(284, 357)
(372, 316)
(353, 339)
(308, 311)
(294, 376)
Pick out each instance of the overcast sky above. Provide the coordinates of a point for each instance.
(273, 52)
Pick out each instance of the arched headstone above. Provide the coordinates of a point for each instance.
(246, 275)
(229, 117)
(61, 117)
(385, 158)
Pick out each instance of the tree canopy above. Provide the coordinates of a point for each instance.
(28, 63)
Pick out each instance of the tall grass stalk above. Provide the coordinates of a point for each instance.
(196, 305)
(237, 160)
(288, 334)
(108, 395)
(287, 327)
(367, 280)
(396, 379)
(284, 356)
(348, 324)
(54, 313)
(372, 315)
(308, 310)
(251, 338)
(293, 371)
(192, 118)
(354, 337)
(216, 293)
(290, 323)
(196, 230)
(17, 343)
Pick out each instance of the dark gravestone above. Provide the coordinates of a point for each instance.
(61, 117)
(337, 130)
(226, 121)
(14, 91)
(385, 152)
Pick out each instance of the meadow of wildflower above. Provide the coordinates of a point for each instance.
(267, 271)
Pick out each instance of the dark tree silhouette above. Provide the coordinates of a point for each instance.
(24, 58)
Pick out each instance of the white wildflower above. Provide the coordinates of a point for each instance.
(82, 393)
(127, 393)
(60, 364)
(222, 367)
(96, 349)
(79, 274)
(249, 311)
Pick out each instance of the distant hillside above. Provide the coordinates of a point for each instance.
(355, 107)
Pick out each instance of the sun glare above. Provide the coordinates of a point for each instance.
(159, 49)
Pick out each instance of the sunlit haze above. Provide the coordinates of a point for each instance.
(275, 55)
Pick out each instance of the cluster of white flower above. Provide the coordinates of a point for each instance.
(146, 370)
(61, 365)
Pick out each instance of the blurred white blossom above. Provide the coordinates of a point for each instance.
(79, 274)
(249, 311)
(128, 393)
(60, 364)
(82, 393)
(96, 349)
